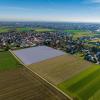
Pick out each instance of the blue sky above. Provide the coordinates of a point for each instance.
(50, 10)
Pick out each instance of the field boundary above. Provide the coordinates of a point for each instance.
(52, 87)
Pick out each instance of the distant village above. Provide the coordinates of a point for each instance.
(57, 40)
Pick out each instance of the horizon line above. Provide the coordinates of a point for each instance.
(50, 21)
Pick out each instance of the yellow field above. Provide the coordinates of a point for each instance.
(60, 68)
(96, 40)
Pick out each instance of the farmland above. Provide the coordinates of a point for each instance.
(51, 64)
(70, 73)
(20, 84)
(4, 29)
(26, 29)
(43, 30)
(23, 29)
(79, 33)
(59, 69)
(84, 85)
(73, 75)
(8, 62)
(96, 40)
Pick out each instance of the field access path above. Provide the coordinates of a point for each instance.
(58, 94)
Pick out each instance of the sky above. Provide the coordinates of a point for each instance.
(50, 10)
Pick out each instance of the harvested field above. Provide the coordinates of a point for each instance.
(20, 84)
(59, 69)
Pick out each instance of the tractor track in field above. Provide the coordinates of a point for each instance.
(21, 84)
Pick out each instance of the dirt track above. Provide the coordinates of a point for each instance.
(20, 84)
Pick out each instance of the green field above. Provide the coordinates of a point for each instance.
(43, 30)
(4, 29)
(35, 29)
(84, 86)
(23, 29)
(79, 33)
(7, 61)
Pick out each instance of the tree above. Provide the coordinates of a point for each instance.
(7, 47)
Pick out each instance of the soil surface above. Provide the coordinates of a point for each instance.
(20, 84)
(59, 69)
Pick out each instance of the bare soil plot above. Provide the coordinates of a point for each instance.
(19, 84)
(59, 69)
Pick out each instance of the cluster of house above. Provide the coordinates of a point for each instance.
(91, 54)
(19, 39)
(57, 40)
(29, 39)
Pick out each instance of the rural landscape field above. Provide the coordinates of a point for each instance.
(71, 74)
(84, 85)
(35, 60)
(49, 49)
(18, 83)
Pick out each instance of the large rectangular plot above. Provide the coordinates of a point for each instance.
(37, 54)
(21, 84)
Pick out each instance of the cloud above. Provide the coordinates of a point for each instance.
(94, 1)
